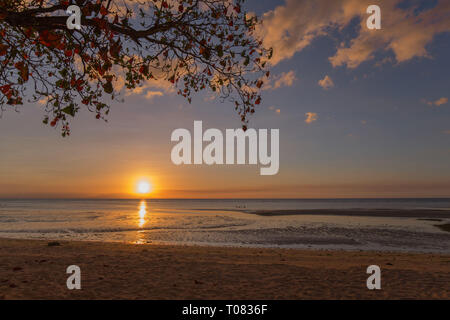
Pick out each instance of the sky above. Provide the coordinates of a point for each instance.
(361, 113)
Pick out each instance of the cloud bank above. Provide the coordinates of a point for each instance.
(405, 32)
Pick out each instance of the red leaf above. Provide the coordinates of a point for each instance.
(5, 89)
(3, 49)
(23, 70)
(259, 84)
(103, 11)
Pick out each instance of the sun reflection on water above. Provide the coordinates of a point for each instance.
(142, 213)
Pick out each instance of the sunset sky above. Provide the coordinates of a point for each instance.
(361, 113)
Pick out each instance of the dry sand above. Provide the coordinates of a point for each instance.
(31, 269)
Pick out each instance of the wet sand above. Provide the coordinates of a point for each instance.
(423, 214)
(30, 269)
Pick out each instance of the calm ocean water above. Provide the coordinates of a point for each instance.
(233, 223)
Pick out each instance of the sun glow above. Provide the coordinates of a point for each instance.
(143, 187)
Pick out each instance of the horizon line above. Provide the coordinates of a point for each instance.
(150, 198)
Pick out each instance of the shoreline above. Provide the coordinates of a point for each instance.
(421, 214)
(335, 247)
(31, 269)
(377, 213)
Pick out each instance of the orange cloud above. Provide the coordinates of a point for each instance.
(441, 101)
(292, 27)
(436, 103)
(311, 117)
(151, 94)
(326, 83)
(285, 79)
(274, 109)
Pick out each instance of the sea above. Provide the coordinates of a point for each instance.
(400, 225)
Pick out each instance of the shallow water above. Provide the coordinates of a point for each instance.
(232, 223)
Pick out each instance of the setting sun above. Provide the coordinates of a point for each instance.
(144, 187)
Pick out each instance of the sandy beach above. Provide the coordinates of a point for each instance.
(31, 269)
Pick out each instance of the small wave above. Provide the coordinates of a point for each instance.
(94, 217)
(8, 220)
(77, 230)
(117, 229)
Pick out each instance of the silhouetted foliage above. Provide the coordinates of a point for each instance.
(193, 44)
